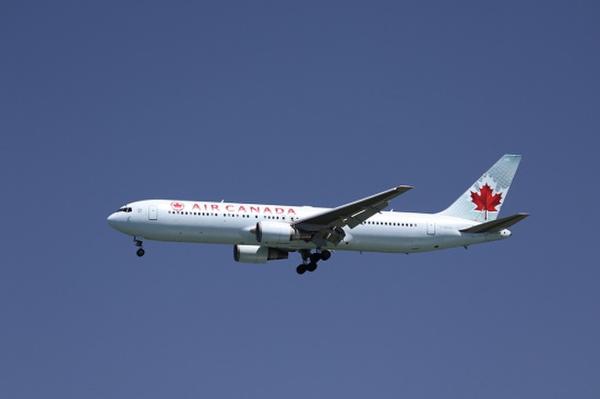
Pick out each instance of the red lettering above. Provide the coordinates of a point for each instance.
(242, 208)
(196, 206)
(267, 210)
(291, 211)
(229, 208)
(214, 207)
(254, 209)
(279, 211)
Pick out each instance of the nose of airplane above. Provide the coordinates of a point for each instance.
(117, 220)
(112, 219)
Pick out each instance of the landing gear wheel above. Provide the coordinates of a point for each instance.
(325, 255)
(140, 252)
(301, 269)
(314, 258)
(311, 267)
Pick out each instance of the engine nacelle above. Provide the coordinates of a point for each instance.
(276, 233)
(257, 253)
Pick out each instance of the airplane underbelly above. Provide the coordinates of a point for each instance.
(226, 233)
(383, 242)
(419, 241)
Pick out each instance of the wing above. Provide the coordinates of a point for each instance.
(328, 225)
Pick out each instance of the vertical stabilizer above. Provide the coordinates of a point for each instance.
(483, 200)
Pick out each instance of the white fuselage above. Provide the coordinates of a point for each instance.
(235, 223)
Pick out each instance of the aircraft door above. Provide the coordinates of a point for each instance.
(431, 228)
(152, 212)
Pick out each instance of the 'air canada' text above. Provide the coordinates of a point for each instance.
(233, 208)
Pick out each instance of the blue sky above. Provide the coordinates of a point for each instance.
(314, 103)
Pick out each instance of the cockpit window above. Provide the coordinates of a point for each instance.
(124, 209)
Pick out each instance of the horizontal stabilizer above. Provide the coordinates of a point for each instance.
(497, 225)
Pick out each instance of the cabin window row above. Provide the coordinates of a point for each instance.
(193, 213)
(391, 224)
(233, 215)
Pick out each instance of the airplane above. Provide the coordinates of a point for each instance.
(261, 233)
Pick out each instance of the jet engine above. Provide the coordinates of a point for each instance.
(277, 233)
(257, 253)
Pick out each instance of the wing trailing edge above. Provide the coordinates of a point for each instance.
(351, 214)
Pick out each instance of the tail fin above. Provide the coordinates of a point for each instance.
(483, 200)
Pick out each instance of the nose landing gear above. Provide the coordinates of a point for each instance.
(138, 243)
(310, 260)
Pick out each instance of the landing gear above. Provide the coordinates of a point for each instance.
(308, 267)
(138, 243)
(310, 260)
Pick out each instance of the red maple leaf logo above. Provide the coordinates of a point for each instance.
(177, 206)
(486, 201)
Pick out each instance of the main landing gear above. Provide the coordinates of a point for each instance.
(309, 260)
(138, 243)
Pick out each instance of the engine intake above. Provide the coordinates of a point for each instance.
(257, 253)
